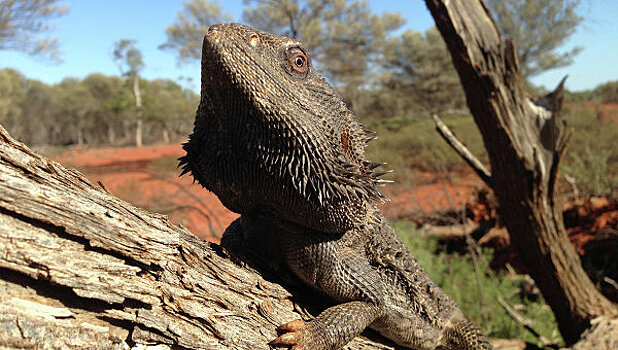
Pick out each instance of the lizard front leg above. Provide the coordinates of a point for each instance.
(332, 329)
(339, 269)
(335, 266)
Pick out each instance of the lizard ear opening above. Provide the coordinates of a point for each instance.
(253, 40)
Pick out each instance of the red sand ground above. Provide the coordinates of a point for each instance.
(605, 111)
(433, 193)
(129, 173)
(133, 175)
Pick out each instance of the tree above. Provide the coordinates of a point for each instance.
(607, 92)
(539, 28)
(185, 35)
(345, 38)
(73, 104)
(525, 141)
(12, 95)
(171, 108)
(420, 66)
(98, 109)
(23, 22)
(38, 122)
(130, 63)
(110, 105)
(421, 69)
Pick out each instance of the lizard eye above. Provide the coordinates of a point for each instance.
(299, 61)
(296, 61)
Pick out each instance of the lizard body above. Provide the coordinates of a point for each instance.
(276, 144)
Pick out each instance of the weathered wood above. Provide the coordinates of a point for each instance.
(81, 268)
(450, 231)
(462, 151)
(525, 140)
(603, 334)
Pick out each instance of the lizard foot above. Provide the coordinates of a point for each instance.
(332, 329)
(293, 335)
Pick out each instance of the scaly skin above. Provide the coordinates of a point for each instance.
(276, 144)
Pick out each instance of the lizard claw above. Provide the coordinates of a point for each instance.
(293, 336)
(292, 326)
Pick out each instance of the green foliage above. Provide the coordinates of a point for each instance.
(345, 38)
(539, 28)
(577, 96)
(12, 95)
(185, 35)
(591, 171)
(413, 142)
(128, 57)
(73, 100)
(608, 92)
(130, 63)
(169, 108)
(456, 276)
(95, 110)
(592, 156)
(110, 105)
(422, 73)
(23, 23)
(358, 52)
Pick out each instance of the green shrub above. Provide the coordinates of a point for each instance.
(456, 276)
(413, 143)
(592, 156)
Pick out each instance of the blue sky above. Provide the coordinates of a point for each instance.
(88, 31)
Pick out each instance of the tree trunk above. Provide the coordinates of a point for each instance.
(165, 135)
(80, 136)
(127, 135)
(525, 140)
(111, 134)
(80, 268)
(139, 116)
(80, 130)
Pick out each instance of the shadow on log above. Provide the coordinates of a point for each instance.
(81, 268)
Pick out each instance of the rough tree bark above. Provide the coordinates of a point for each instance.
(525, 140)
(80, 268)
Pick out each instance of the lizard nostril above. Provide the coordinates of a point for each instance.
(214, 29)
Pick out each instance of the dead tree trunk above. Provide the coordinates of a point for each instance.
(139, 116)
(525, 140)
(80, 268)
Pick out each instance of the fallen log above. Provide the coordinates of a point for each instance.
(450, 231)
(81, 268)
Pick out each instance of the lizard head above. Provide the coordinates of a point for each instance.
(266, 107)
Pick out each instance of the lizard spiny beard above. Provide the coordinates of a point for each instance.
(269, 139)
